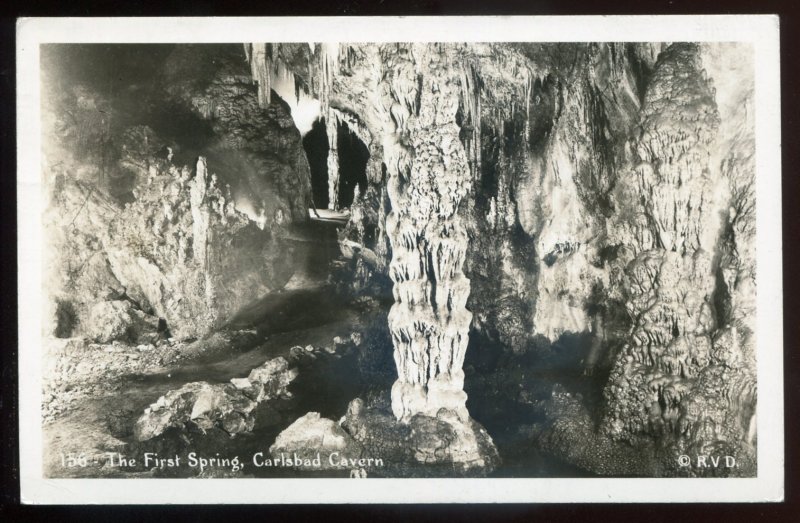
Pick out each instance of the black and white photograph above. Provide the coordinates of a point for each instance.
(336, 258)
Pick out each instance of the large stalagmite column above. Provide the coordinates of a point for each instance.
(408, 95)
(417, 90)
(429, 321)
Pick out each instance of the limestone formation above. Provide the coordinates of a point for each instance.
(429, 320)
(682, 365)
(444, 444)
(317, 443)
(138, 217)
(228, 406)
(184, 250)
(119, 320)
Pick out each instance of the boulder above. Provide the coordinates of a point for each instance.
(119, 320)
(229, 406)
(317, 443)
(200, 403)
(425, 446)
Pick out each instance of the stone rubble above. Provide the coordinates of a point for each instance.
(228, 406)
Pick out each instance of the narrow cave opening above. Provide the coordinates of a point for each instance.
(353, 157)
(315, 143)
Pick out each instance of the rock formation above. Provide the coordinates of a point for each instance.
(317, 443)
(429, 320)
(445, 444)
(229, 406)
(182, 216)
(603, 189)
(682, 367)
(119, 320)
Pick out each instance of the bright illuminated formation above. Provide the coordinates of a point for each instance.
(429, 320)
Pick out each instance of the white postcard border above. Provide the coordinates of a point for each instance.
(760, 30)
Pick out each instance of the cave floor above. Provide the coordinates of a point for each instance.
(102, 423)
(100, 426)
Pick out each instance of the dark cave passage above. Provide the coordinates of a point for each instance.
(315, 143)
(353, 157)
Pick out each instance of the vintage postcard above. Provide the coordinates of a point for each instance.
(484, 259)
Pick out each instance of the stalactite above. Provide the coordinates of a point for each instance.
(271, 73)
(528, 88)
(470, 96)
(329, 68)
(331, 128)
(260, 69)
(477, 124)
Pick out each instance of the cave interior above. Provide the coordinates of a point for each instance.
(489, 259)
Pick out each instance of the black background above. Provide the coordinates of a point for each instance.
(11, 510)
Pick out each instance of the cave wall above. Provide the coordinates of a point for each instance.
(170, 191)
(255, 148)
